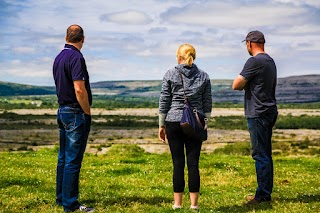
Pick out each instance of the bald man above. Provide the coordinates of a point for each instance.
(74, 118)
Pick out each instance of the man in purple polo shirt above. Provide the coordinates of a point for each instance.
(74, 118)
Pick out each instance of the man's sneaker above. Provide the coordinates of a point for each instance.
(85, 209)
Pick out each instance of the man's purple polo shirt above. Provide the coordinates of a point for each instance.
(70, 66)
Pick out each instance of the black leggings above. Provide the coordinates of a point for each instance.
(177, 142)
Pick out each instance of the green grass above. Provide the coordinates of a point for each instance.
(127, 179)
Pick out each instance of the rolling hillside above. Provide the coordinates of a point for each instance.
(12, 89)
(294, 89)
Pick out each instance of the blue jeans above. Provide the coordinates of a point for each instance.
(74, 127)
(260, 129)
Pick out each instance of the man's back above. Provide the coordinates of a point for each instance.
(261, 73)
(68, 67)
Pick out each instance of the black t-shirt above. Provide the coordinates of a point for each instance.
(68, 67)
(261, 75)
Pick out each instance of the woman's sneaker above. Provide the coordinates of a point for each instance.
(174, 207)
(194, 208)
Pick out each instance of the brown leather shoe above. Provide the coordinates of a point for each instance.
(249, 197)
(251, 201)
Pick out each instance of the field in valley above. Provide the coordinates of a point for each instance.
(31, 129)
(127, 169)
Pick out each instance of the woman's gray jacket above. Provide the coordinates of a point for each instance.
(197, 87)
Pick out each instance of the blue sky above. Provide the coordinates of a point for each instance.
(137, 40)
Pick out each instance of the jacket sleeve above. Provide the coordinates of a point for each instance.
(165, 99)
(207, 98)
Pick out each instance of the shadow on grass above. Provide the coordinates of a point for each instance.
(21, 181)
(301, 198)
(244, 208)
(126, 200)
(268, 206)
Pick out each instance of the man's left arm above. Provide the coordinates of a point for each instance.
(82, 96)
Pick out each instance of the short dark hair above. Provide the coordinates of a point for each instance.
(74, 33)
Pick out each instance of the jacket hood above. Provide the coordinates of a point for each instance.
(186, 69)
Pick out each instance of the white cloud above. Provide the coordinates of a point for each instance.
(312, 3)
(36, 72)
(295, 30)
(229, 16)
(132, 39)
(158, 30)
(24, 49)
(129, 17)
(106, 69)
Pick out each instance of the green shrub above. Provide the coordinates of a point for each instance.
(129, 150)
(298, 122)
(22, 148)
(228, 122)
(281, 145)
(239, 148)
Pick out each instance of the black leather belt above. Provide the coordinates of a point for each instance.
(74, 105)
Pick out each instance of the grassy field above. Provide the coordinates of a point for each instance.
(127, 179)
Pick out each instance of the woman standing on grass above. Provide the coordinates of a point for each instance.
(197, 88)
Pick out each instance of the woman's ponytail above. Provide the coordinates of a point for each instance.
(187, 52)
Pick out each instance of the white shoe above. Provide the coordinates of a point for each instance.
(194, 208)
(176, 207)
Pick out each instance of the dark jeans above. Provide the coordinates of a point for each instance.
(178, 142)
(260, 129)
(74, 127)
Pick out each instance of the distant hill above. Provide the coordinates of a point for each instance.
(12, 89)
(299, 89)
(294, 89)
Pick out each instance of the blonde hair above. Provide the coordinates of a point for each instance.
(187, 53)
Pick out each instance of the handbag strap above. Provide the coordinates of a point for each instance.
(194, 110)
(184, 92)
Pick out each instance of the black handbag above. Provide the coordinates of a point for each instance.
(193, 123)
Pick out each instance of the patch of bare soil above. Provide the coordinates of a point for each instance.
(100, 140)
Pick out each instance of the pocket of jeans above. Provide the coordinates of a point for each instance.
(86, 118)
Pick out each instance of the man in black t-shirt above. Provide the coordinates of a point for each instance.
(74, 118)
(259, 78)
